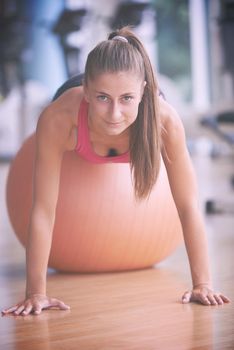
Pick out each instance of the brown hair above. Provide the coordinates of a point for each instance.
(121, 55)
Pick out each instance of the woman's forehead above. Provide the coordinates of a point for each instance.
(109, 79)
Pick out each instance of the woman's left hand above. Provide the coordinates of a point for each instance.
(205, 295)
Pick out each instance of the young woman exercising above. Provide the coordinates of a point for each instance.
(127, 121)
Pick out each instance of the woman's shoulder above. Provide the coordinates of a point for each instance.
(171, 123)
(172, 132)
(60, 116)
(67, 104)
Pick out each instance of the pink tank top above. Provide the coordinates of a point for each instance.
(84, 147)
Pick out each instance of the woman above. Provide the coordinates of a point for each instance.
(129, 122)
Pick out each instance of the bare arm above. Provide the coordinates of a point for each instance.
(53, 138)
(49, 153)
(185, 193)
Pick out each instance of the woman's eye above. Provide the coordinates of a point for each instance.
(127, 98)
(102, 98)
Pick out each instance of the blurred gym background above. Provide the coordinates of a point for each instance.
(190, 42)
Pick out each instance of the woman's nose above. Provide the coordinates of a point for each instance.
(115, 112)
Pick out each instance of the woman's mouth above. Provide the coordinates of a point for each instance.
(113, 124)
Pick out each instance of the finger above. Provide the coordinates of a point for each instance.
(218, 299)
(203, 299)
(63, 306)
(60, 304)
(11, 309)
(27, 310)
(37, 309)
(225, 299)
(19, 310)
(212, 299)
(186, 297)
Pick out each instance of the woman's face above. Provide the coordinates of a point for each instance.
(113, 101)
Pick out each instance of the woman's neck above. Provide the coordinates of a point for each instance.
(108, 145)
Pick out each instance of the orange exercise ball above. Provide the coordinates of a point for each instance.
(99, 226)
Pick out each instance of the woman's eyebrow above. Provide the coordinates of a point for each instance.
(105, 93)
(101, 93)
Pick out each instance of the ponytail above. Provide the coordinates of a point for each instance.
(129, 54)
(145, 144)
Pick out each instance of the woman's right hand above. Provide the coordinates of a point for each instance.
(35, 304)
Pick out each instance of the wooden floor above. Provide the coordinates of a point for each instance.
(131, 310)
